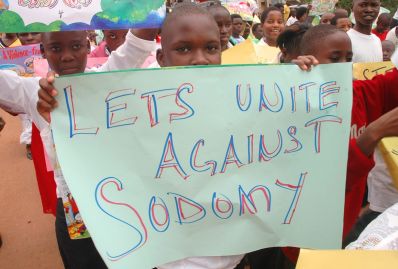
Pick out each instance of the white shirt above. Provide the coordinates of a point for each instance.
(392, 37)
(291, 21)
(381, 233)
(366, 48)
(381, 190)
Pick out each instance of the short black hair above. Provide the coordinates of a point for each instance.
(290, 39)
(336, 18)
(314, 35)
(236, 16)
(265, 13)
(300, 12)
(214, 5)
(184, 9)
(279, 5)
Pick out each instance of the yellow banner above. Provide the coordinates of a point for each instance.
(364, 71)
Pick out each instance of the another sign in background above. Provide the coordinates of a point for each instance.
(66, 15)
(320, 7)
(171, 163)
(20, 59)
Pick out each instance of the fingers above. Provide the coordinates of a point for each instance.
(306, 62)
(46, 94)
(43, 108)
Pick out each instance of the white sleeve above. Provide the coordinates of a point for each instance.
(19, 95)
(14, 91)
(132, 54)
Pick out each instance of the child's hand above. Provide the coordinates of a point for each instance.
(47, 102)
(385, 126)
(305, 62)
(147, 34)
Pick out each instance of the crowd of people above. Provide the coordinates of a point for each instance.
(197, 34)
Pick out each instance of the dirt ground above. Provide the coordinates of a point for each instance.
(28, 234)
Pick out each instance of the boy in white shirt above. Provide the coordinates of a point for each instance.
(365, 45)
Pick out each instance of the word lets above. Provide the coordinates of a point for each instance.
(116, 102)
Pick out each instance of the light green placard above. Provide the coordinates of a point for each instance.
(167, 164)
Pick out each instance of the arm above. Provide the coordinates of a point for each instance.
(132, 54)
(380, 99)
(14, 92)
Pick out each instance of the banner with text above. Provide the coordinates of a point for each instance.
(20, 59)
(206, 161)
(66, 15)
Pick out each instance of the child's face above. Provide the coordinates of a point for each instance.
(66, 52)
(224, 23)
(383, 24)
(326, 18)
(336, 48)
(388, 50)
(258, 33)
(237, 26)
(366, 11)
(29, 38)
(273, 25)
(344, 24)
(193, 40)
(114, 38)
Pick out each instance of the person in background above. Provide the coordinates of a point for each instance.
(246, 31)
(302, 14)
(92, 37)
(292, 17)
(273, 25)
(341, 12)
(382, 26)
(26, 135)
(224, 23)
(112, 40)
(9, 40)
(327, 18)
(257, 31)
(342, 22)
(237, 29)
(392, 36)
(365, 45)
(388, 49)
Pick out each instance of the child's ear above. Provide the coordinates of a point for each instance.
(88, 47)
(42, 51)
(160, 57)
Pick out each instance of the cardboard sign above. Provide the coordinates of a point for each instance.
(19, 59)
(168, 168)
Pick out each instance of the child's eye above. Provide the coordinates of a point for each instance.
(334, 59)
(183, 49)
(55, 49)
(77, 46)
(212, 48)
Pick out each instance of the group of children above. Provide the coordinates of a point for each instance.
(196, 35)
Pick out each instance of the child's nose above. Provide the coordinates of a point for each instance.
(67, 56)
(199, 58)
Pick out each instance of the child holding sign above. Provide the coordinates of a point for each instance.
(67, 53)
(190, 36)
(374, 113)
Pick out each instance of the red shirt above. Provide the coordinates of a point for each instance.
(382, 36)
(371, 99)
